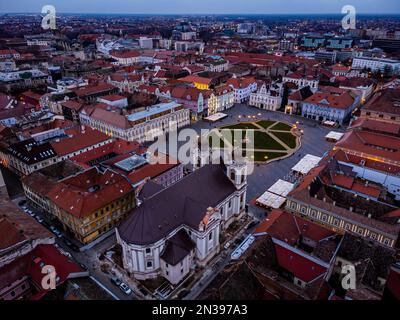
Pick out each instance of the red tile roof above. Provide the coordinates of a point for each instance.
(342, 101)
(300, 265)
(372, 144)
(78, 140)
(186, 93)
(288, 228)
(83, 194)
(30, 265)
(16, 226)
(125, 54)
(340, 155)
(113, 118)
(119, 147)
(376, 125)
(196, 79)
(112, 97)
(385, 101)
(93, 89)
(239, 83)
(152, 170)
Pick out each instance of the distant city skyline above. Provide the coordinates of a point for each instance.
(203, 7)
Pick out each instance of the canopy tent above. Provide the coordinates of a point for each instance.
(216, 116)
(305, 165)
(281, 188)
(334, 136)
(269, 199)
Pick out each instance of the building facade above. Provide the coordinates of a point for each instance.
(267, 97)
(140, 126)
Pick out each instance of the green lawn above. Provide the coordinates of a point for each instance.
(287, 138)
(260, 156)
(265, 123)
(262, 140)
(281, 126)
(243, 125)
(265, 141)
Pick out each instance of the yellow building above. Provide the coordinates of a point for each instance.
(200, 83)
(91, 203)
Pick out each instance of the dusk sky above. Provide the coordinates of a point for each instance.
(203, 6)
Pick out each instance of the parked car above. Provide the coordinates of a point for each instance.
(227, 245)
(56, 231)
(39, 219)
(116, 281)
(125, 289)
(252, 225)
(22, 203)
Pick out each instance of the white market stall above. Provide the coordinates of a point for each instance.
(216, 116)
(334, 136)
(305, 165)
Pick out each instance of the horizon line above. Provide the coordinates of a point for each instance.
(240, 14)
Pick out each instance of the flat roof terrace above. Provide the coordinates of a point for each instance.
(153, 110)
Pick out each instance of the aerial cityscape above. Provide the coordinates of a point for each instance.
(217, 151)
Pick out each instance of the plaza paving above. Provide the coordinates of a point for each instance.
(265, 175)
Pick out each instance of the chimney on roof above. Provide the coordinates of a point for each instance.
(351, 209)
(83, 129)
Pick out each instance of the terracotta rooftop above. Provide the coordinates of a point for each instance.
(83, 194)
(386, 101)
(372, 144)
(78, 139)
(331, 100)
(239, 83)
(17, 227)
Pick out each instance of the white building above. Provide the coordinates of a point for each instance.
(333, 104)
(302, 80)
(146, 43)
(125, 58)
(267, 97)
(139, 126)
(243, 88)
(177, 228)
(376, 64)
